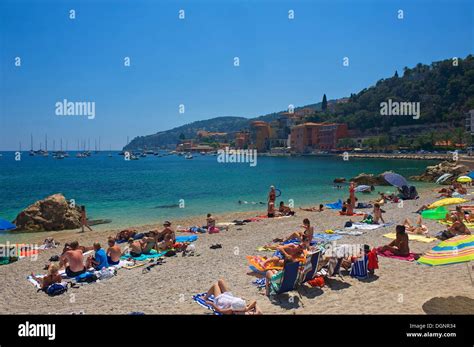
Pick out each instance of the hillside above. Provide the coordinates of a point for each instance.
(445, 92)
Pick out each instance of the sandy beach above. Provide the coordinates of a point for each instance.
(398, 287)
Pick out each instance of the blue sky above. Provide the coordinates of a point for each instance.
(190, 61)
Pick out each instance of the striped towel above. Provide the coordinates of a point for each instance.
(260, 282)
(359, 268)
(199, 298)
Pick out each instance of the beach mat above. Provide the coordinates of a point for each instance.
(335, 205)
(388, 254)
(199, 299)
(365, 226)
(256, 263)
(349, 232)
(320, 237)
(412, 237)
(186, 238)
(152, 255)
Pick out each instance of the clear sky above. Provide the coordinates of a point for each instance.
(191, 61)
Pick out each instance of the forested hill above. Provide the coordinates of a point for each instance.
(444, 89)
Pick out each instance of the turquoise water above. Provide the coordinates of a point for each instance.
(128, 192)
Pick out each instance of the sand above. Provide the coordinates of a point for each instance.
(399, 287)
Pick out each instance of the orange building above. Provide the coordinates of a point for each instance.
(242, 139)
(309, 136)
(261, 135)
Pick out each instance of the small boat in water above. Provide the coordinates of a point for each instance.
(188, 156)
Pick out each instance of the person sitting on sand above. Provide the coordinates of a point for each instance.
(52, 276)
(447, 193)
(399, 246)
(418, 229)
(148, 243)
(285, 210)
(457, 228)
(99, 260)
(211, 224)
(376, 216)
(113, 252)
(457, 214)
(166, 238)
(306, 235)
(73, 260)
(320, 208)
(134, 247)
(226, 303)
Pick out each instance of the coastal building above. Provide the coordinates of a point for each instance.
(242, 139)
(307, 137)
(470, 121)
(260, 135)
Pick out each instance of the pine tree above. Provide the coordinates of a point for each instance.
(324, 105)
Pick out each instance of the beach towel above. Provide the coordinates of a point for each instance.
(326, 237)
(359, 268)
(412, 237)
(264, 249)
(349, 232)
(388, 254)
(256, 262)
(364, 226)
(353, 214)
(199, 299)
(260, 282)
(186, 238)
(152, 255)
(335, 205)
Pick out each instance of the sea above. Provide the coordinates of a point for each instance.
(154, 188)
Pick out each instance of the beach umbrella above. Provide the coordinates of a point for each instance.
(446, 202)
(464, 179)
(458, 249)
(395, 179)
(362, 188)
(443, 178)
(6, 225)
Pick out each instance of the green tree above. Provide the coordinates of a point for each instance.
(346, 142)
(182, 136)
(324, 104)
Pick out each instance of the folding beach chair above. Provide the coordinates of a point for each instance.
(309, 268)
(285, 280)
(359, 268)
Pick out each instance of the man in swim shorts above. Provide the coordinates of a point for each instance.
(73, 260)
(135, 248)
(113, 252)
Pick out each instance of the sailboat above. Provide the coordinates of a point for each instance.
(32, 152)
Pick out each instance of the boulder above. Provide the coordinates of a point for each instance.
(370, 180)
(50, 214)
(432, 173)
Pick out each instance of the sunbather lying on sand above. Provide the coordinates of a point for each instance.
(320, 208)
(457, 228)
(399, 246)
(458, 214)
(305, 235)
(226, 303)
(418, 229)
(73, 260)
(126, 234)
(53, 276)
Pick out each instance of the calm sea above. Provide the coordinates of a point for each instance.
(148, 190)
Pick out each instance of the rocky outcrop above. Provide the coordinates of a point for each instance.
(432, 173)
(370, 180)
(50, 214)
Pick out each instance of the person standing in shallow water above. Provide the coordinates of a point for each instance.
(271, 201)
(84, 219)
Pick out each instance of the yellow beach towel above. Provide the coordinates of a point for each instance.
(412, 237)
(468, 225)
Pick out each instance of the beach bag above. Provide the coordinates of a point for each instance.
(348, 224)
(54, 258)
(413, 193)
(56, 289)
(87, 277)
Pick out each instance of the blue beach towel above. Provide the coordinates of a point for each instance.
(199, 298)
(260, 282)
(335, 205)
(186, 238)
(153, 254)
